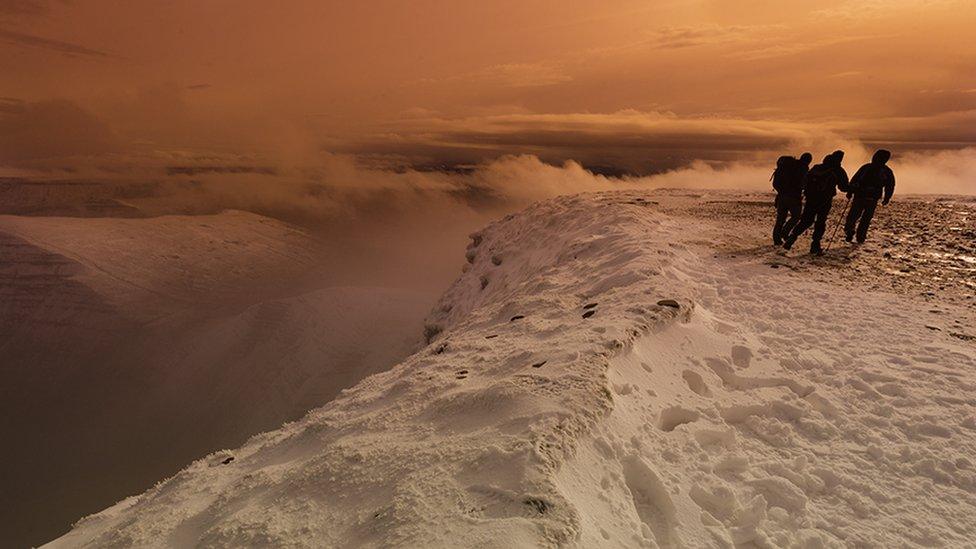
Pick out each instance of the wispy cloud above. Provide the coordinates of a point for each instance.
(873, 9)
(779, 49)
(512, 75)
(58, 46)
(703, 35)
(19, 8)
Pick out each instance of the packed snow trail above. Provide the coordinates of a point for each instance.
(596, 377)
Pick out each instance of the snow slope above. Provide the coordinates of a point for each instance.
(599, 377)
(148, 267)
(136, 345)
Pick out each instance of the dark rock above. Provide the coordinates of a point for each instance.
(669, 303)
(540, 505)
(431, 331)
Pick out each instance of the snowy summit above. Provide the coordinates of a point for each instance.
(601, 374)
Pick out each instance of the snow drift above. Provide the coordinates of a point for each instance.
(599, 377)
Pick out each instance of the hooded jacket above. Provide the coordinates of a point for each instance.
(874, 179)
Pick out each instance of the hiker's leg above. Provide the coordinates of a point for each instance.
(796, 209)
(820, 223)
(781, 211)
(857, 206)
(806, 219)
(866, 216)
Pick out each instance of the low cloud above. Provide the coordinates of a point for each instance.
(55, 130)
(405, 228)
(942, 172)
(637, 143)
(625, 142)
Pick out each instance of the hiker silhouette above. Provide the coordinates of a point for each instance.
(819, 188)
(871, 181)
(788, 182)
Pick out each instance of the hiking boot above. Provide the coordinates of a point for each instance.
(849, 237)
(816, 250)
(788, 243)
(778, 242)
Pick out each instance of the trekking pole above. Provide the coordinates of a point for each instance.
(843, 214)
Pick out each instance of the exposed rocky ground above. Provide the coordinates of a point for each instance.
(918, 245)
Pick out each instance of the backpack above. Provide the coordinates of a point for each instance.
(820, 181)
(785, 168)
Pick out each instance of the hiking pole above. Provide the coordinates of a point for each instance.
(843, 214)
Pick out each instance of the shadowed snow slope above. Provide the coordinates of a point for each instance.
(131, 346)
(598, 378)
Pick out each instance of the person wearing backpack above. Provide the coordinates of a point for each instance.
(788, 183)
(871, 181)
(819, 188)
(843, 183)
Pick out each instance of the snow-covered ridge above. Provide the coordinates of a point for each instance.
(597, 378)
(459, 444)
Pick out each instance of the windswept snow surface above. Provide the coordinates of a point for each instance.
(600, 376)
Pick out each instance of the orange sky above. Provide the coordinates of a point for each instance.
(621, 85)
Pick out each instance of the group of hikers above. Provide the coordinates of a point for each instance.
(804, 196)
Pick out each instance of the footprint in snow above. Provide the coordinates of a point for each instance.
(696, 383)
(676, 415)
(741, 356)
